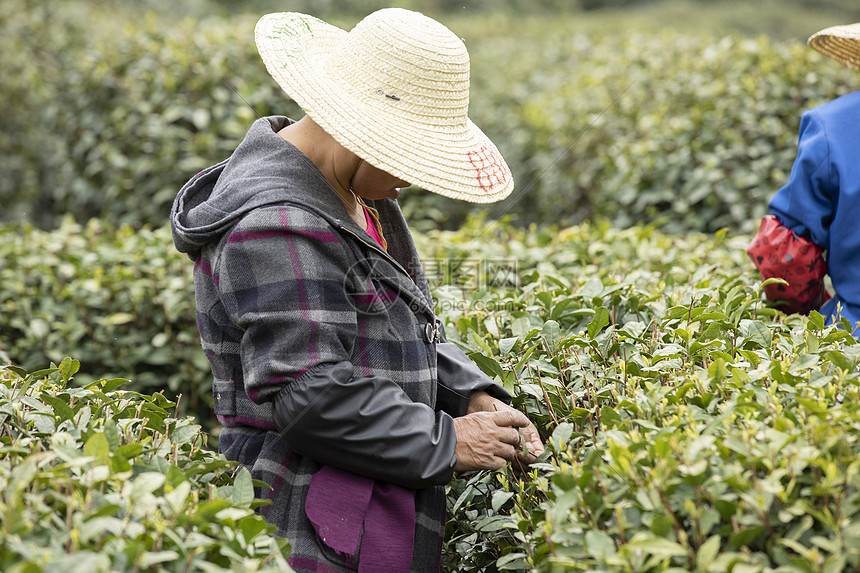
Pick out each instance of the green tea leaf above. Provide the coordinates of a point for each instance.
(61, 407)
(599, 545)
(598, 323)
(507, 344)
(551, 334)
(760, 334)
(111, 433)
(186, 433)
(500, 498)
(243, 488)
(151, 558)
(251, 527)
(561, 435)
(657, 546)
(97, 446)
(488, 365)
(145, 483)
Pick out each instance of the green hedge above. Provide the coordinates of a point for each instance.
(110, 113)
(95, 479)
(690, 427)
(685, 419)
(692, 130)
(121, 300)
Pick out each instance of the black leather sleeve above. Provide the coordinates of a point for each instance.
(367, 426)
(458, 377)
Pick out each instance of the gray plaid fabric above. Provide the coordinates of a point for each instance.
(288, 286)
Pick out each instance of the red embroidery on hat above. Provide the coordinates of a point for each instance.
(488, 165)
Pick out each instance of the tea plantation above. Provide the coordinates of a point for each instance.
(110, 111)
(689, 425)
(96, 479)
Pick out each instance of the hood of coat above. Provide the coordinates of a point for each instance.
(264, 170)
(267, 170)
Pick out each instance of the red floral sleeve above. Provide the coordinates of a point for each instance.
(780, 253)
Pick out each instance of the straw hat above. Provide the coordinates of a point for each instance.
(394, 91)
(842, 43)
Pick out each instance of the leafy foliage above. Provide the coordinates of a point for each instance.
(121, 300)
(696, 129)
(690, 428)
(689, 425)
(135, 108)
(96, 479)
(695, 132)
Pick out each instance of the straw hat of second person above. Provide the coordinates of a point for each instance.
(842, 43)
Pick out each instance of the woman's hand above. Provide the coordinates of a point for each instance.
(492, 433)
(487, 440)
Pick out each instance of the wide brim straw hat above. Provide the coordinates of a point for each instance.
(842, 43)
(394, 91)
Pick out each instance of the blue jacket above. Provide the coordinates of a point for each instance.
(821, 200)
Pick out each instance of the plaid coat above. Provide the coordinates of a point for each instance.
(325, 350)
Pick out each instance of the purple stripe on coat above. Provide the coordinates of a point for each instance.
(246, 421)
(254, 393)
(282, 379)
(362, 337)
(243, 236)
(276, 485)
(383, 297)
(362, 349)
(206, 269)
(302, 293)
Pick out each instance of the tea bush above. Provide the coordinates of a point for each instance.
(690, 427)
(112, 115)
(121, 300)
(694, 131)
(95, 479)
(111, 111)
